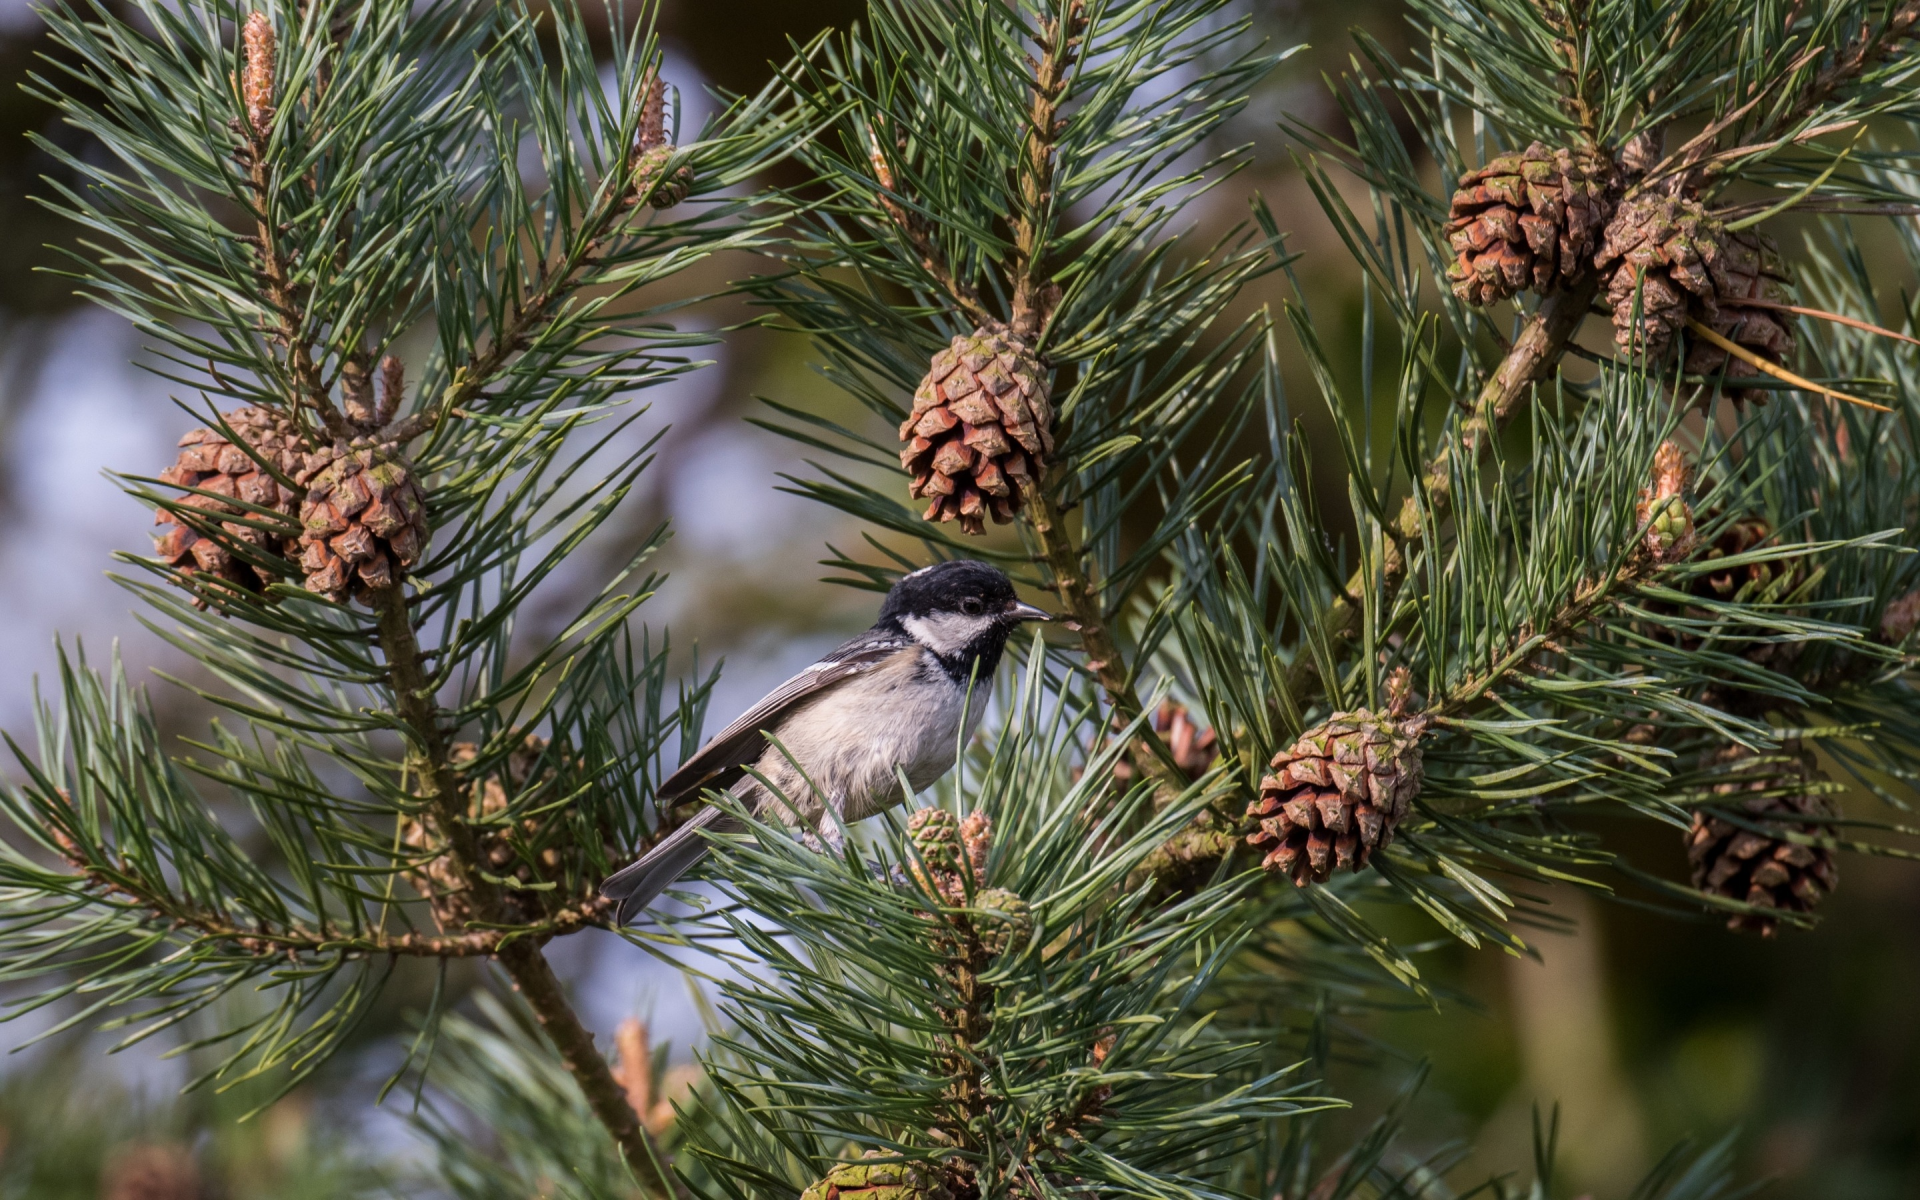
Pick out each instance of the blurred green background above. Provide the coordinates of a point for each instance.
(1642, 1027)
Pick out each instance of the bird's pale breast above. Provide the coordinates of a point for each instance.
(903, 713)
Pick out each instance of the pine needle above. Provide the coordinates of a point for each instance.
(1781, 373)
(1836, 318)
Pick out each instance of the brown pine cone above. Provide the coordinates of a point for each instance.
(1336, 795)
(363, 522)
(1747, 267)
(1684, 263)
(981, 430)
(210, 462)
(1527, 222)
(486, 798)
(1762, 868)
(1194, 749)
(1763, 582)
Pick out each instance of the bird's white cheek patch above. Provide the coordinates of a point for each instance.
(946, 634)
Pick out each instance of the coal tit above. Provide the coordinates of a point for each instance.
(905, 694)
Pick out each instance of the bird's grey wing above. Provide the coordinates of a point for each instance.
(725, 757)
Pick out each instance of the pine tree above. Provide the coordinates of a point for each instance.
(1113, 952)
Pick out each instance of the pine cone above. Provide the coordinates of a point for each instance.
(1762, 869)
(210, 462)
(867, 1180)
(1194, 749)
(950, 850)
(436, 879)
(1003, 919)
(653, 152)
(981, 430)
(1684, 263)
(1336, 795)
(1527, 222)
(364, 520)
(1663, 508)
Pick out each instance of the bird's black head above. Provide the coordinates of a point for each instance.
(962, 611)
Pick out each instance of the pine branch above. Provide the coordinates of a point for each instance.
(1532, 359)
(520, 957)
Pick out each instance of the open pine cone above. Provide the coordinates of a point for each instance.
(1336, 795)
(210, 462)
(1527, 222)
(363, 522)
(1759, 865)
(1683, 263)
(981, 430)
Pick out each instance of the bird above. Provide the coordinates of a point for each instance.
(900, 698)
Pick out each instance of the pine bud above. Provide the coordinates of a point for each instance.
(256, 82)
(1663, 507)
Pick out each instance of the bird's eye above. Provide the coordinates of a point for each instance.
(973, 606)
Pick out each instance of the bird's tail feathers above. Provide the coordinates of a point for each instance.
(639, 885)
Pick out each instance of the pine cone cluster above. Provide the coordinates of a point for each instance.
(981, 430)
(503, 850)
(869, 1180)
(1335, 796)
(257, 471)
(1527, 222)
(1664, 508)
(363, 521)
(1739, 848)
(1680, 262)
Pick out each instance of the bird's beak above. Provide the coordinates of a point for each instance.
(1027, 612)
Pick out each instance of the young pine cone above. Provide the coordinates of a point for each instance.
(210, 462)
(364, 520)
(951, 850)
(653, 152)
(1664, 509)
(1526, 222)
(981, 430)
(1683, 263)
(1759, 865)
(1004, 920)
(1336, 795)
(867, 1180)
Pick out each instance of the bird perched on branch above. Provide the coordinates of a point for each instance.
(903, 696)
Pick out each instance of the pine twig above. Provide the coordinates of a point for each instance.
(1532, 358)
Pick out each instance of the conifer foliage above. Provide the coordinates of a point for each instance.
(411, 266)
